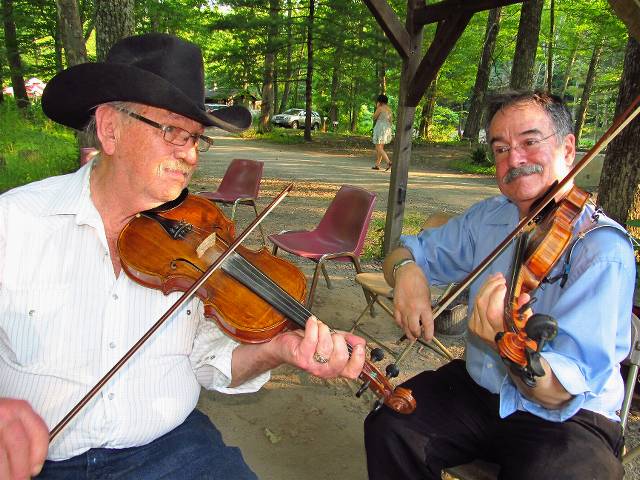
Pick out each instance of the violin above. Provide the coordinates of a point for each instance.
(252, 297)
(180, 239)
(538, 248)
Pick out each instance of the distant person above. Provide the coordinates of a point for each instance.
(68, 312)
(382, 117)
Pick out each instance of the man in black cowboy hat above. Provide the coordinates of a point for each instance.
(67, 313)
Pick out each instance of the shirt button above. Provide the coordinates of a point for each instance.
(115, 296)
(111, 395)
(489, 365)
(32, 313)
(112, 345)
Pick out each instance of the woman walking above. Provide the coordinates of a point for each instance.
(382, 130)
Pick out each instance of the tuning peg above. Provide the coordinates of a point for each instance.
(363, 388)
(392, 370)
(377, 354)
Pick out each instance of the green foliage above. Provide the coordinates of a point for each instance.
(32, 147)
(282, 136)
(468, 165)
(479, 156)
(374, 241)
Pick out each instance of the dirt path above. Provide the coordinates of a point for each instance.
(299, 427)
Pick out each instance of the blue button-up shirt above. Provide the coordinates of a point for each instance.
(593, 308)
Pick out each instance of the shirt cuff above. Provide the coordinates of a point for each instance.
(567, 373)
(214, 370)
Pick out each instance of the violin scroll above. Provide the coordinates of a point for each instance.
(398, 399)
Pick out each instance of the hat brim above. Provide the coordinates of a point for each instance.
(72, 94)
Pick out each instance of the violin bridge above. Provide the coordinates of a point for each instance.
(206, 244)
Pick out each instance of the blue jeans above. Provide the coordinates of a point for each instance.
(194, 450)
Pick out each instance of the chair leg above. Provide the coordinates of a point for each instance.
(326, 275)
(367, 294)
(275, 249)
(264, 238)
(314, 282)
(369, 305)
(233, 209)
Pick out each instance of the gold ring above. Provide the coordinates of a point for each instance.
(319, 358)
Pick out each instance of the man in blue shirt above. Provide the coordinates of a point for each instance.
(567, 425)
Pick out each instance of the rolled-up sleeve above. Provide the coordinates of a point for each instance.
(211, 360)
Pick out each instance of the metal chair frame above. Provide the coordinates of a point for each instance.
(244, 198)
(374, 298)
(351, 255)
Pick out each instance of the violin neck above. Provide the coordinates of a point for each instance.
(259, 283)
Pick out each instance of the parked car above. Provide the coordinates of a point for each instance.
(295, 118)
(213, 106)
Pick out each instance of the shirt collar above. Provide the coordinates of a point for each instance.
(76, 197)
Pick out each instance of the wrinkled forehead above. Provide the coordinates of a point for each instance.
(519, 119)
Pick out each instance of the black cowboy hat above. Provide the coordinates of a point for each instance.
(153, 69)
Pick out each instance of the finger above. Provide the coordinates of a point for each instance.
(4, 464)
(16, 444)
(354, 366)
(326, 341)
(353, 339)
(38, 439)
(415, 326)
(427, 328)
(310, 340)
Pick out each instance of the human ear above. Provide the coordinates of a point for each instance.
(569, 149)
(106, 126)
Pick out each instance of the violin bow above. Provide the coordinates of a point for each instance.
(186, 296)
(618, 125)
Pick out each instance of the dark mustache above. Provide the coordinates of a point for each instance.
(516, 172)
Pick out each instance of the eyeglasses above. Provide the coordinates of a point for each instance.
(174, 135)
(528, 146)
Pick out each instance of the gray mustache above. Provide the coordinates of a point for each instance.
(516, 172)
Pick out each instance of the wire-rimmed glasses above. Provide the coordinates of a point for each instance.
(172, 134)
(528, 146)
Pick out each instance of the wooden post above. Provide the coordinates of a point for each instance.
(404, 135)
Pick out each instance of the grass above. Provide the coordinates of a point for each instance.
(372, 250)
(32, 147)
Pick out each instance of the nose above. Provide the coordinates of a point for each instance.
(188, 152)
(516, 156)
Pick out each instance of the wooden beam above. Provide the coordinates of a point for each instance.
(440, 11)
(447, 34)
(391, 25)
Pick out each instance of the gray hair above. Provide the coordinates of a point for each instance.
(90, 130)
(553, 106)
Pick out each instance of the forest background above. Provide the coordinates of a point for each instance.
(331, 56)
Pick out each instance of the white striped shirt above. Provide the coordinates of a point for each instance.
(65, 320)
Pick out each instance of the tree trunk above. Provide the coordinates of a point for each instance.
(552, 25)
(13, 55)
(586, 91)
(309, 82)
(114, 20)
(71, 31)
(288, 69)
(474, 118)
(619, 189)
(526, 45)
(426, 118)
(567, 71)
(266, 109)
(335, 82)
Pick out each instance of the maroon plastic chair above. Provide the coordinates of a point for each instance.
(240, 185)
(339, 236)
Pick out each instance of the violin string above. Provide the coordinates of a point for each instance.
(277, 297)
